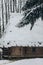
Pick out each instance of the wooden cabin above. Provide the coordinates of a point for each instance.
(26, 51)
(23, 52)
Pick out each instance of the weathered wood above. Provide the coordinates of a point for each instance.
(25, 52)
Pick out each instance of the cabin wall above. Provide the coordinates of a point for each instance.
(16, 51)
(34, 52)
(23, 52)
(26, 52)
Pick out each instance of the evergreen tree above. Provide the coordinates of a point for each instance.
(33, 9)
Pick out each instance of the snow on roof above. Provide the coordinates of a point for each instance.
(14, 36)
(37, 61)
(22, 43)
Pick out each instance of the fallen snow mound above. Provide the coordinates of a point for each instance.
(28, 62)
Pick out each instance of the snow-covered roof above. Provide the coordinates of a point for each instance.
(14, 36)
(23, 43)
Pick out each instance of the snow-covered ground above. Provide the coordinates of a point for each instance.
(22, 36)
(37, 61)
(3, 62)
(28, 62)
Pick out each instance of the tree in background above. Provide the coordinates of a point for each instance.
(2, 14)
(15, 4)
(33, 9)
(11, 5)
(0, 27)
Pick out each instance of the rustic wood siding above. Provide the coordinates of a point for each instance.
(25, 51)
(15, 51)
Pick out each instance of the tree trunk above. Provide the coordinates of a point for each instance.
(2, 16)
(15, 5)
(20, 5)
(11, 5)
(6, 12)
(0, 29)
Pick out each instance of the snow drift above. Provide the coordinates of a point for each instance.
(28, 62)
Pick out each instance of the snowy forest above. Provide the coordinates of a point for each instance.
(7, 7)
(28, 11)
(21, 32)
(33, 9)
(15, 15)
